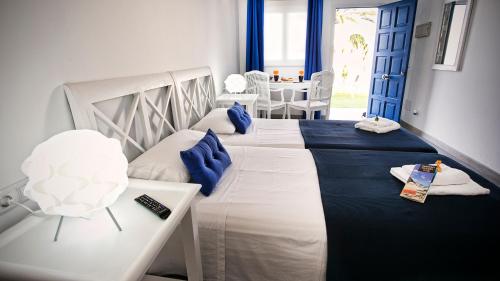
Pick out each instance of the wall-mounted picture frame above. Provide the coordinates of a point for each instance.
(455, 24)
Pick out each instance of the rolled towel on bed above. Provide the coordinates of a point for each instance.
(447, 176)
(383, 125)
(467, 189)
(382, 122)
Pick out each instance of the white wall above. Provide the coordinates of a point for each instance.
(460, 109)
(44, 44)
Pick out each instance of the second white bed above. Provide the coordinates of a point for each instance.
(268, 133)
(264, 220)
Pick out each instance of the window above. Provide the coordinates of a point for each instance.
(285, 25)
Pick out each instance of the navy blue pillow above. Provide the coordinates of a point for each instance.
(206, 161)
(240, 118)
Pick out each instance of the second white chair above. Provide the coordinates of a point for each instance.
(258, 83)
(319, 95)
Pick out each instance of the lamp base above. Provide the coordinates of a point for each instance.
(107, 209)
(114, 220)
(58, 228)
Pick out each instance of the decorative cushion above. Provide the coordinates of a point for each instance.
(217, 120)
(206, 162)
(240, 118)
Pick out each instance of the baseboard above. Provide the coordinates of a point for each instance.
(456, 155)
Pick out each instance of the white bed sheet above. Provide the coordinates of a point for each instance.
(268, 133)
(265, 219)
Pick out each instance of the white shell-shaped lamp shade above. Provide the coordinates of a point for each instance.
(235, 83)
(76, 173)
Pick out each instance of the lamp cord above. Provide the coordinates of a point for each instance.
(35, 213)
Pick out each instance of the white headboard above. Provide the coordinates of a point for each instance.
(194, 96)
(136, 110)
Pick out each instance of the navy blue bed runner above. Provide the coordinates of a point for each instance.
(374, 234)
(342, 135)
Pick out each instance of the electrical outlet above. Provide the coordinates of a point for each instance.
(15, 191)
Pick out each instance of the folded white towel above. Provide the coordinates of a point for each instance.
(370, 127)
(468, 189)
(447, 176)
(382, 122)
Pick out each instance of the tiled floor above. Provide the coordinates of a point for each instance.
(346, 113)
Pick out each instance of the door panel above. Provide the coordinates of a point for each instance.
(378, 87)
(398, 44)
(375, 105)
(383, 44)
(390, 62)
(402, 15)
(390, 110)
(385, 18)
(396, 65)
(393, 86)
(380, 65)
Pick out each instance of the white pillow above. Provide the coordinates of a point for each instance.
(218, 121)
(163, 161)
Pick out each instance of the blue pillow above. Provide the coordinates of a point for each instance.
(240, 118)
(206, 162)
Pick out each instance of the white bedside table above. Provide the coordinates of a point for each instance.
(248, 100)
(94, 249)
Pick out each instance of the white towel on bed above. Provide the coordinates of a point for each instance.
(382, 122)
(447, 176)
(468, 189)
(383, 125)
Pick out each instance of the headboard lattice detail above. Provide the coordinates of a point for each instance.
(135, 110)
(195, 96)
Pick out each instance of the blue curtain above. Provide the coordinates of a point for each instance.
(255, 35)
(313, 42)
(313, 37)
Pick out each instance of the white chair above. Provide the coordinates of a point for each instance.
(258, 83)
(319, 95)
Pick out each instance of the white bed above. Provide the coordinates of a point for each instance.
(268, 133)
(264, 221)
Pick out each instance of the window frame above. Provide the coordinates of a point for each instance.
(285, 8)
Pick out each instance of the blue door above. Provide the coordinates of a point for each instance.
(390, 62)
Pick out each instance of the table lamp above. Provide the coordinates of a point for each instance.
(76, 173)
(235, 83)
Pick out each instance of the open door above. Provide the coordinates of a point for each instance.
(390, 59)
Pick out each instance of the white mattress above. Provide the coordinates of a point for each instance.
(265, 219)
(268, 133)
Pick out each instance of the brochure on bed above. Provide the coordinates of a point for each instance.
(375, 234)
(342, 134)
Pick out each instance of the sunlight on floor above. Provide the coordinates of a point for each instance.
(346, 113)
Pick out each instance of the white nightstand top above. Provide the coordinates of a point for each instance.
(94, 249)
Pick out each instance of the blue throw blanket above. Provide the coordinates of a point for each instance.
(374, 234)
(343, 135)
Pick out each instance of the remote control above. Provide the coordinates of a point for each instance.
(154, 206)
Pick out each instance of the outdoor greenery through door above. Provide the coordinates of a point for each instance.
(354, 42)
